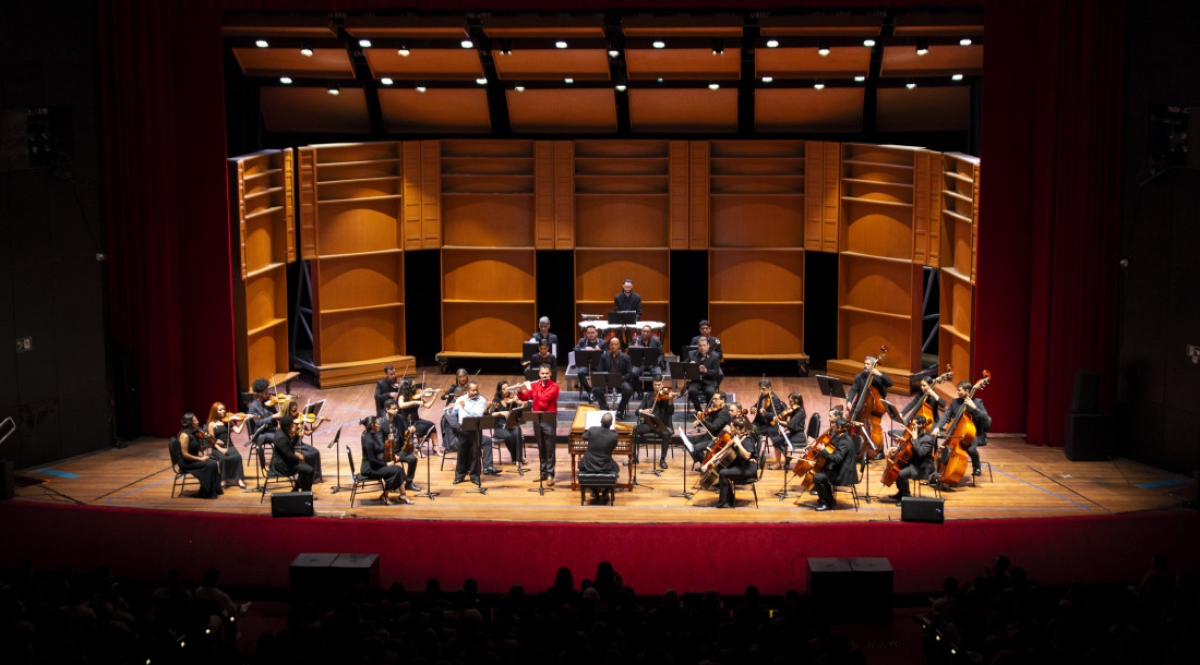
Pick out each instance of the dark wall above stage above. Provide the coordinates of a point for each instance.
(51, 233)
(1159, 386)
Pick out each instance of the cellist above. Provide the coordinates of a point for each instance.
(839, 465)
(920, 465)
(712, 421)
(871, 376)
(978, 414)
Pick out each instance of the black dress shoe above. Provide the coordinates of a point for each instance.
(475, 479)
(491, 472)
(977, 472)
(662, 463)
(822, 507)
(724, 505)
(412, 486)
(457, 480)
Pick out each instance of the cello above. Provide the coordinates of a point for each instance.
(870, 400)
(960, 435)
(810, 463)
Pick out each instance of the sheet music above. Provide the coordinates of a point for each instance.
(592, 419)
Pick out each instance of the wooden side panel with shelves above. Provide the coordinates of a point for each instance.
(698, 208)
(564, 195)
(599, 273)
(262, 217)
(959, 199)
(544, 181)
(757, 297)
(488, 300)
(822, 196)
(680, 191)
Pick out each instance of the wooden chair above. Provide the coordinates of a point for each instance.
(181, 476)
(360, 481)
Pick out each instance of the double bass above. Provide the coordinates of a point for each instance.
(955, 461)
(901, 455)
(870, 401)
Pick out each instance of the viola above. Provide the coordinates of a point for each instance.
(665, 395)
(955, 460)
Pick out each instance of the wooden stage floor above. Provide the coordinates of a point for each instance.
(1026, 481)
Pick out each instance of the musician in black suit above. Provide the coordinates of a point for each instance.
(543, 333)
(974, 408)
(386, 388)
(744, 465)
(288, 460)
(920, 465)
(627, 300)
(451, 433)
(839, 465)
(659, 402)
(714, 344)
(646, 340)
(374, 466)
(589, 341)
(927, 395)
(878, 379)
(616, 361)
(601, 442)
(712, 422)
(764, 416)
(399, 430)
(710, 373)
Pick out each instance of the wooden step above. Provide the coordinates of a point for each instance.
(848, 368)
(335, 375)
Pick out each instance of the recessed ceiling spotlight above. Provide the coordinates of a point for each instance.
(560, 44)
(658, 43)
(819, 85)
(965, 41)
(261, 43)
(386, 81)
(568, 80)
(466, 43)
(660, 79)
(768, 79)
(922, 47)
(481, 81)
(621, 87)
(519, 88)
(364, 43)
(860, 79)
(306, 51)
(613, 53)
(910, 86)
(714, 86)
(868, 42)
(286, 80)
(823, 47)
(772, 43)
(403, 51)
(333, 90)
(420, 88)
(956, 77)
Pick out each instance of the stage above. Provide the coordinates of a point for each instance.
(1064, 521)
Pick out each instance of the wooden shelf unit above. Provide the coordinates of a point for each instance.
(488, 300)
(352, 236)
(959, 180)
(756, 247)
(262, 216)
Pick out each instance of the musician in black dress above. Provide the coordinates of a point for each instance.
(400, 431)
(659, 402)
(223, 450)
(589, 341)
(744, 465)
(795, 423)
(543, 357)
(288, 460)
(374, 465)
(714, 344)
(710, 374)
(627, 300)
(411, 401)
(615, 361)
(974, 408)
(507, 429)
(712, 422)
(764, 416)
(601, 442)
(386, 388)
(308, 425)
(920, 465)
(839, 465)
(451, 434)
(195, 459)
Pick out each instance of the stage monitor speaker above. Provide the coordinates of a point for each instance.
(921, 509)
(1086, 397)
(1089, 437)
(292, 504)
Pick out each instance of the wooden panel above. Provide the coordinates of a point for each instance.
(359, 281)
(831, 198)
(360, 334)
(412, 195)
(483, 220)
(498, 328)
(266, 299)
(354, 227)
(621, 221)
(599, 273)
(756, 275)
(308, 203)
(957, 304)
(680, 193)
(289, 204)
(267, 351)
(544, 182)
(757, 220)
(494, 275)
(879, 285)
(431, 189)
(926, 177)
(760, 330)
(698, 205)
(814, 178)
(564, 195)
(877, 228)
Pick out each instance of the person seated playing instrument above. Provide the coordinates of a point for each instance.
(712, 422)
(288, 460)
(193, 447)
(744, 449)
(601, 442)
(375, 467)
(975, 409)
(223, 450)
(839, 465)
(627, 300)
(475, 444)
(714, 344)
(543, 333)
(615, 361)
(710, 373)
(507, 428)
(544, 357)
(386, 388)
(659, 402)
(646, 340)
(260, 414)
(927, 395)
(920, 465)
(411, 402)
(589, 341)
(307, 425)
(765, 417)
(396, 428)
(795, 423)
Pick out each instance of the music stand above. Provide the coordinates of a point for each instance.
(688, 372)
(428, 474)
(609, 381)
(477, 425)
(831, 387)
(688, 462)
(644, 357)
(539, 417)
(587, 357)
(337, 459)
(661, 428)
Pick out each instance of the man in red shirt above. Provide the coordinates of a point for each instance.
(544, 395)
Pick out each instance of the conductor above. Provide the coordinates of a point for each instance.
(601, 441)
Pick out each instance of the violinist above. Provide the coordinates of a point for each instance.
(920, 465)
(929, 397)
(710, 373)
(543, 357)
(288, 460)
(711, 421)
(587, 342)
(375, 467)
(794, 421)
(411, 402)
(765, 417)
(195, 459)
(975, 409)
(615, 361)
(543, 395)
(312, 456)
(471, 405)
(839, 465)
(386, 388)
(744, 465)
(871, 376)
(396, 428)
(223, 451)
(451, 434)
(659, 402)
(507, 427)
(260, 413)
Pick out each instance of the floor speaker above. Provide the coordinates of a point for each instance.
(922, 509)
(7, 479)
(1086, 396)
(292, 504)
(1089, 437)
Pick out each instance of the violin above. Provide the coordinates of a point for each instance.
(310, 418)
(278, 399)
(234, 417)
(664, 395)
